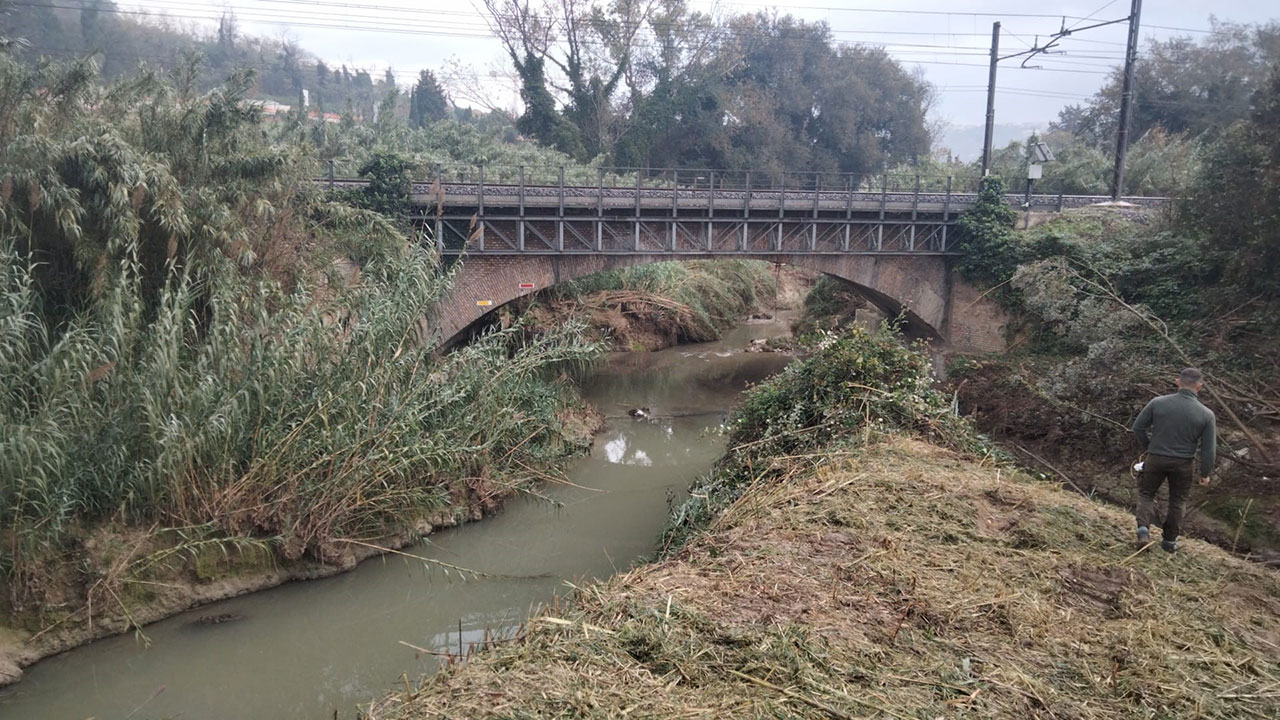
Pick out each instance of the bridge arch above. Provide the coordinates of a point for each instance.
(937, 303)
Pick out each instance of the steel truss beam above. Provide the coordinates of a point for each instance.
(622, 234)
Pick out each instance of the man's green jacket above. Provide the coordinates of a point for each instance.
(1174, 425)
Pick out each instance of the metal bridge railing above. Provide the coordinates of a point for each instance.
(674, 178)
(673, 182)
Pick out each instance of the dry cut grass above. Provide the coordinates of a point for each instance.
(900, 581)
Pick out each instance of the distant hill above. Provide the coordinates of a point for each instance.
(122, 43)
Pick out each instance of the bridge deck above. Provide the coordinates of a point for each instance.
(474, 195)
(505, 218)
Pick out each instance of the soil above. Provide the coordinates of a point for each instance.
(1084, 450)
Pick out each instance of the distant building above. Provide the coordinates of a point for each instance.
(273, 110)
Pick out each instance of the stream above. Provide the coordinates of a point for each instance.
(318, 649)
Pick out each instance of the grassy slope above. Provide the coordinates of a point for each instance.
(899, 581)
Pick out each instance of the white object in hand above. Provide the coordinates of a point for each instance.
(1137, 467)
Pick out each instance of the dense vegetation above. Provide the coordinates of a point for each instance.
(853, 387)
(187, 346)
(1216, 251)
(1111, 303)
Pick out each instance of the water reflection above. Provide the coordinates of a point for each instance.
(616, 451)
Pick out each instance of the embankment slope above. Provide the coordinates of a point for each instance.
(898, 580)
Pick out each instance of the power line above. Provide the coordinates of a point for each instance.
(377, 26)
(828, 8)
(1091, 15)
(374, 23)
(477, 20)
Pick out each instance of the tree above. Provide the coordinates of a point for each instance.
(1235, 200)
(390, 185)
(984, 233)
(645, 79)
(1183, 86)
(427, 101)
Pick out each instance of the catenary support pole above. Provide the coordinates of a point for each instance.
(991, 99)
(1126, 101)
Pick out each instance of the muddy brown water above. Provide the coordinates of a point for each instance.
(310, 649)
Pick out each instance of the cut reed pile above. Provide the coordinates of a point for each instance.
(897, 580)
(650, 307)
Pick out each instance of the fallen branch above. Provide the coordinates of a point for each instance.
(1162, 329)
(1055, 470)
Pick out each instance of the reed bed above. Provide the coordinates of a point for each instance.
(893, 580)
(193, 366)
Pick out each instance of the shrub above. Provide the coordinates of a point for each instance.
(984, 233)
(853, 387)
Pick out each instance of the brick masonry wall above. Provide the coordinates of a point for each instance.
(976, 323)
(937, 302)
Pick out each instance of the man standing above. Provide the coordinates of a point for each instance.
(1170, 428)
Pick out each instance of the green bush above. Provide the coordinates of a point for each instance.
(852, 388)
(984, 234)
(850, 381)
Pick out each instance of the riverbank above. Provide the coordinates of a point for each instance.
(897, 579)
(195, 577)
(270, 653)
(653, 307)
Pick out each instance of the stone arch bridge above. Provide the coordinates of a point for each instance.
(519, 234)
(937, 303)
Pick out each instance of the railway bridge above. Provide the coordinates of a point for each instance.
(522, 230)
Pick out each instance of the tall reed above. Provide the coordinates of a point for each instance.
(179, 347)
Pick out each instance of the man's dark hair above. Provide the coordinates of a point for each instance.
(1189, 377)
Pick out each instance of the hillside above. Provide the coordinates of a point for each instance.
(1108, 306)
(900, 580)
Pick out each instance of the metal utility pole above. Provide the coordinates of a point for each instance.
(1048, 48)
(991, 99)
(1126, 100)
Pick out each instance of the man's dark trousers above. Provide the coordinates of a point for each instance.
(1155, 471)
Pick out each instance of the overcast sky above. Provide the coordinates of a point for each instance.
(949, 41)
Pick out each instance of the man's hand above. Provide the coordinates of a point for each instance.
(1204, 480)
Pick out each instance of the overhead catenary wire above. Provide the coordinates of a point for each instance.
(375, 22)
(377, 26)
(329, 15)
